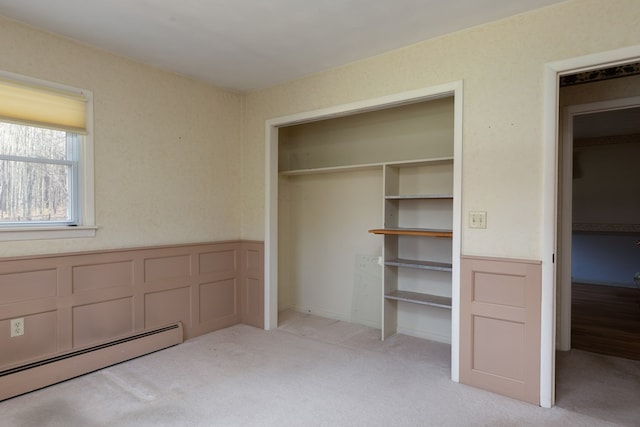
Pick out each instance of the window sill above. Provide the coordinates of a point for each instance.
(44, 233)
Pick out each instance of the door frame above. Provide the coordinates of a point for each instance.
(550, 172)
(271, 192)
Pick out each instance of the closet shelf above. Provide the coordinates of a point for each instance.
(365, 166)
(419, 298)
(423, 265)
(331, 169)
(413, 232)
(420, 197)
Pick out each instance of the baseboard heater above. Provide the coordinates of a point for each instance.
(32, 376)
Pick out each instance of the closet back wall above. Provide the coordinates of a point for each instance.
(328, 261)
(330, 195)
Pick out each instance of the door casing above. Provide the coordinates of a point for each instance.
(550, 172)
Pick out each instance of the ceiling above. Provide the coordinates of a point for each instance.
(245, 45)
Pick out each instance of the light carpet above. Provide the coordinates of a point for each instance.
(311, 371)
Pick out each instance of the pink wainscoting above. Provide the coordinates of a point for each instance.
(70, 301)
(500, 326)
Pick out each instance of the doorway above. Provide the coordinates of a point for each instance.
(599, 318)
(550, 237)
(598, 226)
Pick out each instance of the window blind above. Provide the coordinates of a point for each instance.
(41, 106)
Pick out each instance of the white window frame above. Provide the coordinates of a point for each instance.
(84, 193)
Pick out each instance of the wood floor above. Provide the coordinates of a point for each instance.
(606, 320)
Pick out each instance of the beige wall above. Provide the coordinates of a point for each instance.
(502, 65)
(167, 149)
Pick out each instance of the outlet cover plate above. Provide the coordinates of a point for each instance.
(17, 327)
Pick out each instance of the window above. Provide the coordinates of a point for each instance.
(46, 158)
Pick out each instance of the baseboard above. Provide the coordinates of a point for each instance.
(38, 374)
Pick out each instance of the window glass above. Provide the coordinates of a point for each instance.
(38, 175)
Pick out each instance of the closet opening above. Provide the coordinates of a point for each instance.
(336, 174)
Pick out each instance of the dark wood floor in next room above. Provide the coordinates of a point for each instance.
(606, 320)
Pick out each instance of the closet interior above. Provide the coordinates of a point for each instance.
(365, 218)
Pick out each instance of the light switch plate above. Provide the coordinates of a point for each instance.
(477, 220)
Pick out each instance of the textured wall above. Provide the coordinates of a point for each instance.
(167, 148)
(502, 65)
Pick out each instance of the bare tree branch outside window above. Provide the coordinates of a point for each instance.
(36, 174)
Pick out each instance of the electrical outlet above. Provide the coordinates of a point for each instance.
(477, 220)
(17, 327)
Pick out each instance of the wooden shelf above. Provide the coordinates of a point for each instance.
(413, 232)
(423, 265)
(423, 162)
(420, 197)
(418, 298)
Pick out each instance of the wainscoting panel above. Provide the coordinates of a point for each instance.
(74, 301)
(91, 277)
(169, 306)
(101, 321)
(252, 286)
(223, 261)
(28, 285)
(500, 326)
(41, 338)
(220, 302)
(167, 268)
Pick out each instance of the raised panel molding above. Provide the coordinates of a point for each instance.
(167, 267)
(42, 338)
(70, 301)
(500, 302)
(252, 283)
(101, 321)
(168, 306)
(219, 261)
(28, 285)
(220, 303)
(113, 274)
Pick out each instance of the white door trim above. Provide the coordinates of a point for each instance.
(271, 193)
(549, 203)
